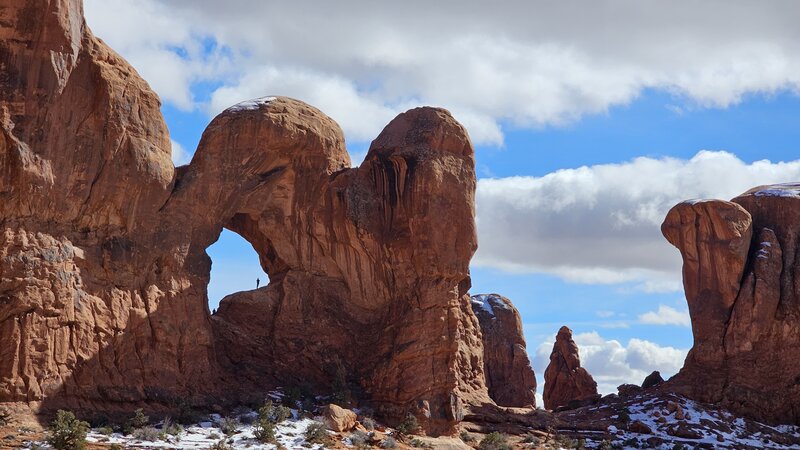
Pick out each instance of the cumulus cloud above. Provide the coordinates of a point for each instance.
(601, 224)
(528, 63)
(612, 363)
(666, 315)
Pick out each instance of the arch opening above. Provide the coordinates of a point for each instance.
(235, 267)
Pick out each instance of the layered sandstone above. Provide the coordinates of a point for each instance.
(509, 375)
(565, 381)
(741, 277)
(103, 270)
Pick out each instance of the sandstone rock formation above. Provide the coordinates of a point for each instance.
(509, 375)
(103, 270)
(741, 279)
(338, 419)
(565, 381)
(654, 379)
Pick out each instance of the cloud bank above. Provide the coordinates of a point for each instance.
(601, 224)
(529, 64)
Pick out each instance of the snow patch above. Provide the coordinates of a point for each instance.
(250, 105)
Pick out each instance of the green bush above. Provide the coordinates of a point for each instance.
(264, 431)
(389, 442)
(66, 432)
(105, 431)
(494, 441)
(168, 427)
(5, 418)
(419, 443)
(316, 433)
(409, 425)
(274, 414)
(466, 437)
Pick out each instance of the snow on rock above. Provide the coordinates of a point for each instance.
(249, 105)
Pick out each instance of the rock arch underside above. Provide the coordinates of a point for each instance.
(103, 269)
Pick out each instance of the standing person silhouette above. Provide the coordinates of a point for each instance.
(258, 281)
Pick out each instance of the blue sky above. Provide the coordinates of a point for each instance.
(585, 133)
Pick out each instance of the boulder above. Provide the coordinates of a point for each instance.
(509, 375)
(565, 381)
(338, 419)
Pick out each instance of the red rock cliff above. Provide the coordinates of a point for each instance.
(565, 381)
(740, 275)
(103, 270)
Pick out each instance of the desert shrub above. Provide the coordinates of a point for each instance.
(389, 442)
(419, 443)
(494, 441)
(187, 414)
(274, 414)
(229, 425)
(148, 433)
(213, 436)
(530, 439)
(264, 431)
(139, 420)
(5, 417)
(409, 425)
(66, 432)
(168, 427)
(316, 433)
(105, 431)
(605, 445)
(466, 437)
(360, 439)
(220, 445)
(368, 423)
(115, 447)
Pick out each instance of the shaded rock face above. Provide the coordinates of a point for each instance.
(741, 277)
(509, 375)
(565, 381)
(103, 270)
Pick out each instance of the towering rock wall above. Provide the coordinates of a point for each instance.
(103, 270)
(509, 375)
(740, 271)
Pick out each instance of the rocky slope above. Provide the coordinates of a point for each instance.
(566, 383)
(741, 278)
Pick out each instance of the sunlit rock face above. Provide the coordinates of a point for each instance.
(103, 270)
(509, 375)
(566, 383)
(741, 278)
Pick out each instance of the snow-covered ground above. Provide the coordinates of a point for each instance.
(289, 433)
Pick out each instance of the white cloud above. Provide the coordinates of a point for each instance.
(611, 364)
(527, 63)
(601, 224)
(666, 316)
(179, 155)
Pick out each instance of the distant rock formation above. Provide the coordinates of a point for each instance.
(509, 375)
(103, 301)
(741, 278)
(654, 379)
(565, 381)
